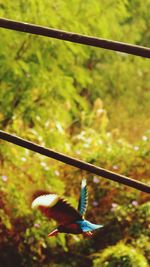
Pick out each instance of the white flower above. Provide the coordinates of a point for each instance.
(23, 159)
(134, 203)
(57, 173)
(95, 203)
(43, 164)
(144, 138)
(37, 225)
(114, 206)
(4, 178)
(95, 180)
(115, 167)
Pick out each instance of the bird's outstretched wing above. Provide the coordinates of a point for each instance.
(83, 201)
(57, 208)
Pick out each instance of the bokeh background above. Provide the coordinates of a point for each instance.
(90, 103)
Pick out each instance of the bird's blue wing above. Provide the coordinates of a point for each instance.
(83, 201)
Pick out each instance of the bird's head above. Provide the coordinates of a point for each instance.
(45, 201)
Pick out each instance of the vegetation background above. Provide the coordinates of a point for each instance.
(89, 103)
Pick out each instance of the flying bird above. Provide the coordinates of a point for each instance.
(69, 219)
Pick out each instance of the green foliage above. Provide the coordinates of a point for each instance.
(89, 103)
(120, 255)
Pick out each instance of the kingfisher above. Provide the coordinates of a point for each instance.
(69, 219)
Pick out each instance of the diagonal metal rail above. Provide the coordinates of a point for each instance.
(75, 162)
(75, 37)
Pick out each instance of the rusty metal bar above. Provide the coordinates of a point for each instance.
(75, 38)
(75, 162)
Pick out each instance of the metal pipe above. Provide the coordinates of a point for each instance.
(75, 38)
(75, 162)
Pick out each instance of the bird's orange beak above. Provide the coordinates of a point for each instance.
(53, 233)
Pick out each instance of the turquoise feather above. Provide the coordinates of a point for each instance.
(70, 220)
(83, 201)
(87, 226)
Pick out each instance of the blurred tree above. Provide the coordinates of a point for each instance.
(87, 102)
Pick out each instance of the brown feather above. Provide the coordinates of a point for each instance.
(61, 211)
